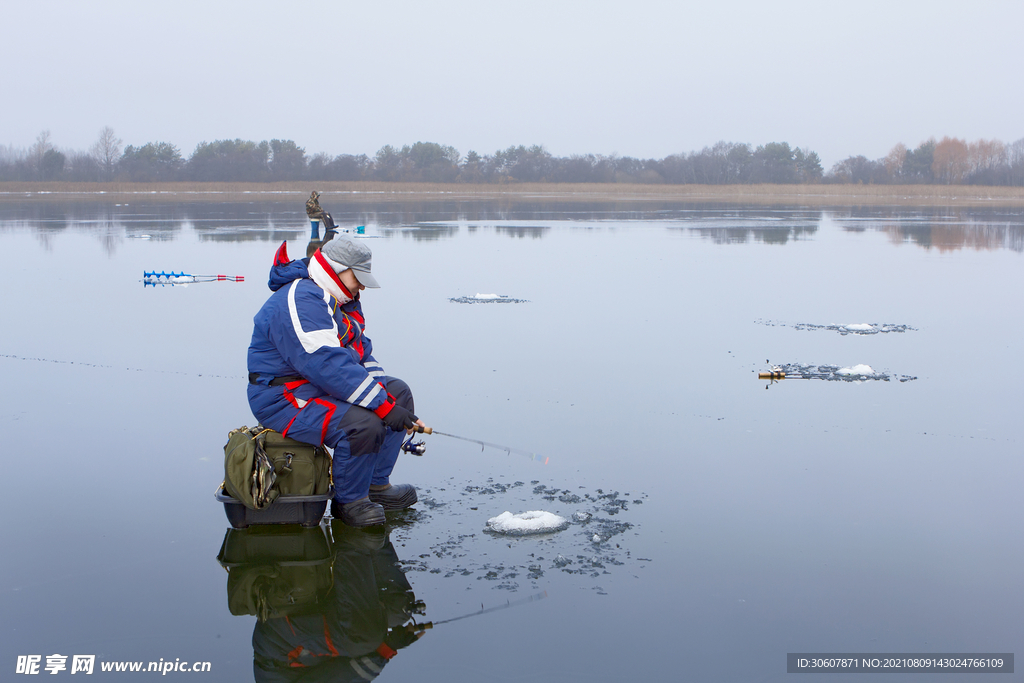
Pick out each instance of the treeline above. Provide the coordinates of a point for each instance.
(949, 161)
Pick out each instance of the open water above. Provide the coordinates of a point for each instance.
(717, 522)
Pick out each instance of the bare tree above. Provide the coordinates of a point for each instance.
(11, 159)
(984, 155)
(950, 161)
(1015, 159)
(894, 161)
(107, 151)
(39, 149)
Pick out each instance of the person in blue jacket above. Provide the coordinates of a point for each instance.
(313, 377)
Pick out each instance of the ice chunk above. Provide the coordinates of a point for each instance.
(487, 299)
(523, 523)
(857, 370)
(860, 327)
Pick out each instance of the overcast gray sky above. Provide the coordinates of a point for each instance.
(638, 78)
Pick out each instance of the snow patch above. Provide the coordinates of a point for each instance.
(857, 370)
(523, 523)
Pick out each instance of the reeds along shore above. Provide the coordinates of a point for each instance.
(337, 192)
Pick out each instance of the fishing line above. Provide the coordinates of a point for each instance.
(117, 367)
(517, 603)
(419, 447)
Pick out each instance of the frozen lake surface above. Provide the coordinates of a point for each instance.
(711, 527)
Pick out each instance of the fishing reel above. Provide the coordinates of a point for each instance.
(414, 447)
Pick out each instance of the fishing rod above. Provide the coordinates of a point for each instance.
(154, 278)
(431, 624)
(419, 447)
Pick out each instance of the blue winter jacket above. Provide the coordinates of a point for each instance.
(311, 340)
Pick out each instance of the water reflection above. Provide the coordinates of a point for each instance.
(331, 604)
(953, 237)
(521, 231)
(489, 211)
(943, 228)
(157, 220)
(767, 235)
(268, 233)
(423, 233)
(733, 226)
(427, 220)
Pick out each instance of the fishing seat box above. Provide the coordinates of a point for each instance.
(274, 545)
(276, 571)
(312, 478)
(304, 510)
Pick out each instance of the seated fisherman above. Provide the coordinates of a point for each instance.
(316, 213)
(313, 377)
(316, 242)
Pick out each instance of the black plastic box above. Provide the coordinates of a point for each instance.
(277, 571)
(304, 510)
(274, 544)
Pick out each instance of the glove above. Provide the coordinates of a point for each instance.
(400, 637)
(400, 419)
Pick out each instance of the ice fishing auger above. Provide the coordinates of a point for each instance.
(163, 279)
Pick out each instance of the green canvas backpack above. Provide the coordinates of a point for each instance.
(260, 465)
(301, 469)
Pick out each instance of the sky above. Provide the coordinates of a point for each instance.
(641, 78)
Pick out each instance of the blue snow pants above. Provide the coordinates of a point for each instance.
(365, 450)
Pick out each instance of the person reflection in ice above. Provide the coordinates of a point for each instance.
(362, 623)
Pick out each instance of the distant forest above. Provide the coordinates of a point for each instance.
(948, 161)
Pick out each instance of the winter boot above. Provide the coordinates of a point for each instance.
(358, 513)
(394, 497)
(367, 539)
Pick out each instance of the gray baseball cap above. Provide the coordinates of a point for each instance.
(344, 253)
